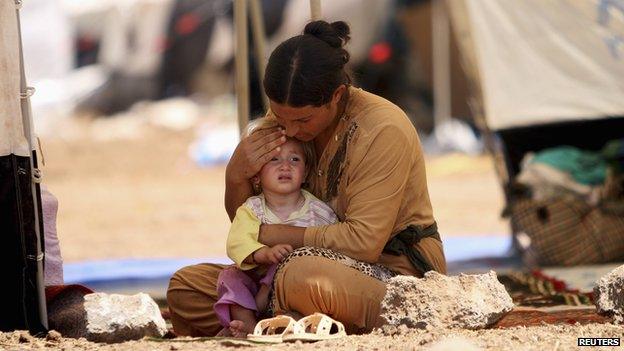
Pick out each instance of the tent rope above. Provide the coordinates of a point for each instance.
(30, 91)
(37, 175)
(35, 258)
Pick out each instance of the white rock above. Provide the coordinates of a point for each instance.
(609, 294)
(454, 343)
(439, 301)
(117, 318)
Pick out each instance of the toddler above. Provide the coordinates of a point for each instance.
(243, 288)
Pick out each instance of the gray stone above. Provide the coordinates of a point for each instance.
(440, 301)
(25, 337)
(609, 294)
(117, 318)
(54, 336)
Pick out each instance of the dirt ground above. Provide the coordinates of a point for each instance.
(546, 337)
(141, 196)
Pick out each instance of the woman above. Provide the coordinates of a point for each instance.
(369, 169)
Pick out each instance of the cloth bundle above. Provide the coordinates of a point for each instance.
(570, 205)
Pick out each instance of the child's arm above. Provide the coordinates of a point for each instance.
(242, 239)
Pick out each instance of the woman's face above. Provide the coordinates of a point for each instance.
(307, 122)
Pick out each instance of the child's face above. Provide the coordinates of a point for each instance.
(285, 173)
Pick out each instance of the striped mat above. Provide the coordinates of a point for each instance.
(536, 289)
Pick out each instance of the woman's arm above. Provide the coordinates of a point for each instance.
(250, 155)
(273, 234)
(235, 194)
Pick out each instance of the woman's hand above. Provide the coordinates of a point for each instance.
(253, 152)
(250, 155)
(272, 255)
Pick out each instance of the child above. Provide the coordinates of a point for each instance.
(243, 289)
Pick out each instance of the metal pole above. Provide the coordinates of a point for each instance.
(242, 69)
(25, 93)
(441, 63)
(257, 28)
(315, 9)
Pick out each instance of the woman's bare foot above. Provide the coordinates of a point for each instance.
(240, 329)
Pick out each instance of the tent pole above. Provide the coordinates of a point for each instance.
(441, 63)
(257, 28)
(242, 69)
(315, 10)
(458, 14)
(25, 93)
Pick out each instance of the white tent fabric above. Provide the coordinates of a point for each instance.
(46, 32)
(545, 61)
(12, 139)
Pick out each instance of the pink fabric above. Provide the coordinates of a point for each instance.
(268, 276)
(234, 287)
(53, 269)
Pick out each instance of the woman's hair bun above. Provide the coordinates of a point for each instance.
(335, 34)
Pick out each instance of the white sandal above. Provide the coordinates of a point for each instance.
(316, 327)
(272, 330)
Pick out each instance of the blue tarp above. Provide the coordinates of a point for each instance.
(456, 249)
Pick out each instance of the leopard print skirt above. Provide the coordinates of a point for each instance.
(376, 271)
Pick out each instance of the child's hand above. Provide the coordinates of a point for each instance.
(273, 254)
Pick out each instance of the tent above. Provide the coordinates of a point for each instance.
(20, 198)
(543, 72)
(531, 75)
